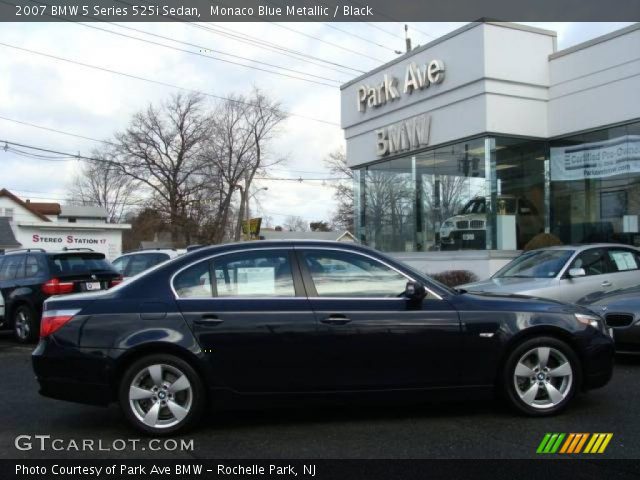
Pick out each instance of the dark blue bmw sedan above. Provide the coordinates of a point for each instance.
(280, 318)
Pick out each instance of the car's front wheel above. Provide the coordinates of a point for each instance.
(25, 326)
(161, 394)
(541, 376)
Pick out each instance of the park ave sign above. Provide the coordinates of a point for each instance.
(415, 78)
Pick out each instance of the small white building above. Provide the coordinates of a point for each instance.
(25, 224)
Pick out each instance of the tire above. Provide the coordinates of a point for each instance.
(148, 400)
(25, 324)
(538, 387)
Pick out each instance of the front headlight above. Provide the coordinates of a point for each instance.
(593, 320)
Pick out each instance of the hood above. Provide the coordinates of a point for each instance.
(508, 285)
(623, 300)
(467, 216)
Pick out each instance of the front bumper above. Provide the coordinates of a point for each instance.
(598, 361)
(74, 374)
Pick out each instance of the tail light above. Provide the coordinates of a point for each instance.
(54, 320)
(116, 281)
(56, 287)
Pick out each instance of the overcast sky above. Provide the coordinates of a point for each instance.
(60, 95)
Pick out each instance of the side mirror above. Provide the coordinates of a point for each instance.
(577, 272)
(415, 291)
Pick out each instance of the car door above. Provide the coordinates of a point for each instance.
(598, 278)
(369, 335)
(625, 263)
(12, 272)
(250, 314)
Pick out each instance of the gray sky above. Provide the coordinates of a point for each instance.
(93, 103)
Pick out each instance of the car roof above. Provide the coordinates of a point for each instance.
(41, 251)
(585, 246)
(248, 245)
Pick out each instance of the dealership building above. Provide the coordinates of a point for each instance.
(51, 226)
(467, 147)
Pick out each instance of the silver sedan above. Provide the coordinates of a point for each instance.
(569, 273)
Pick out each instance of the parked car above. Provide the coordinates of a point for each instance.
(133, 263)
(262, 320)
(468, 228)
(621, 311)
(569, 273)
(28, 277)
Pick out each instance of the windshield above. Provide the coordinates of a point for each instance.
(477, 205)
(536, 264)
(74, 263)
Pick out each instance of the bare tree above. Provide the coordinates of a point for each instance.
(294, 223)
(164, 150)
(101, 183)
(343, 218)
(243, 128)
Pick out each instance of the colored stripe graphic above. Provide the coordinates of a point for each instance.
(550, 443)
(573, 443)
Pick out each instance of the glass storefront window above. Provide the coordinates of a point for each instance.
(595, 186)
(500, 192)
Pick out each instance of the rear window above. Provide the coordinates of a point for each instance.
(71, 264)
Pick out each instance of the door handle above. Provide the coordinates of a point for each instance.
(208, 320)
(606, 283)
(336, 320)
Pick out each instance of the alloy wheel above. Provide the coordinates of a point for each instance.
(21, 325)
(543, 377)
(160, 396)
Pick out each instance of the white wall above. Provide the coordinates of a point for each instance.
(105, 241)
(19, 212)
(596, 83)
(482, 263)
(496, 80)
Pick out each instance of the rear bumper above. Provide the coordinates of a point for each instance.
(73, 374)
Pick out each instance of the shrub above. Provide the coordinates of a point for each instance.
(453, 278)
(542, 240)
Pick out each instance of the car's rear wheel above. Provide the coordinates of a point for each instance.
(541, 376)
(161, 394)
(25, 325)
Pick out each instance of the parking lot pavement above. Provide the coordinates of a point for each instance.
(466, 429)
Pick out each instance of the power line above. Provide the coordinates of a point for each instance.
(270, 46)
(373, 25)
(157, 82)
(212, 57)
(231, 62)
(361, 38)
(61, 132)
(326, 42)
(260, 43)
(71, 157)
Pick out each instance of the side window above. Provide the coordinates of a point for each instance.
(33, 267)
(194, 282)
(594, 261)
(13, 267)
(139, 263)
(251, 274)
(120, 264)
(343, 274)
(623, 260)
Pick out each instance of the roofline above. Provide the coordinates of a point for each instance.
(6, 193)
(594, 41)
(447, 36)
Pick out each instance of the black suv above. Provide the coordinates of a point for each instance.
(28, 277)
